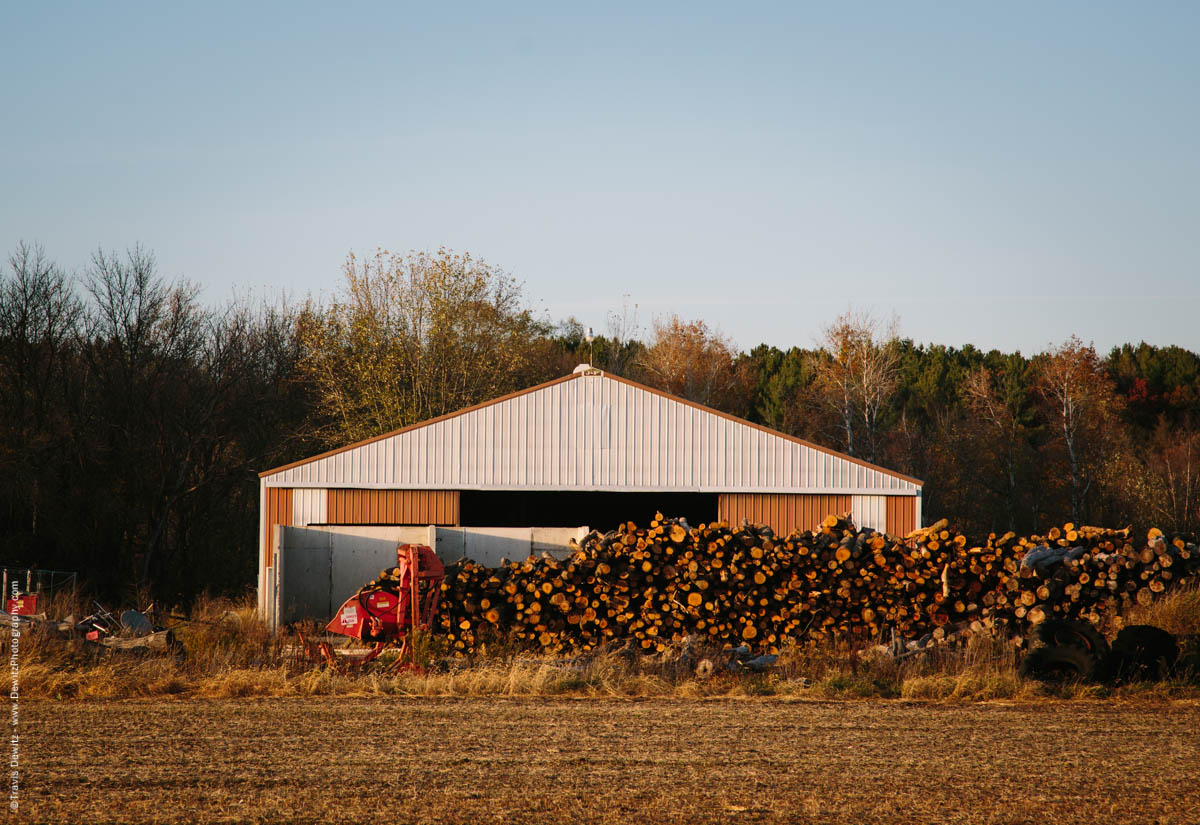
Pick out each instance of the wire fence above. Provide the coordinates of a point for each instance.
(44, 583)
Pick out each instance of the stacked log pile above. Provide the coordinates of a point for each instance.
(657, 586)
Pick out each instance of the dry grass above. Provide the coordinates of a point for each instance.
(536, 760)
(1176, 612)
(231, 654)
(508, 738)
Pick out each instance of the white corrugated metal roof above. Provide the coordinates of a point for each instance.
(591, 431)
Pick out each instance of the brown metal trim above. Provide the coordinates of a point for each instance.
(348, 505)
(783, 512)
(634, 384)
(901, 515)
(278, 511)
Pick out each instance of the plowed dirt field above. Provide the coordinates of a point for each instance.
(341, 760)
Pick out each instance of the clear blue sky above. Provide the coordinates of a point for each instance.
(999, 174)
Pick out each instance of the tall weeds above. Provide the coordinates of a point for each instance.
(1176, 612)
(230, 653)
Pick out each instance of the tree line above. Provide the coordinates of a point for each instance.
(134, 417)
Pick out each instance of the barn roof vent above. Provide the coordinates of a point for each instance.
(586, 369)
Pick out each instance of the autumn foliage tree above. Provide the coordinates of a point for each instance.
(687, 359)
(1080, 407)
(411, 337)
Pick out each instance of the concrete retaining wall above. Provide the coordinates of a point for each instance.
(317, 568)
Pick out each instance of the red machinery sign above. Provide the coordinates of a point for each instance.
(356, 615)
(24, 605)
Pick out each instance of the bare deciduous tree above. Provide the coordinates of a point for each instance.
(624, 331)
(39, 322)
(856, 374)
(997, 401)
(1176, 468)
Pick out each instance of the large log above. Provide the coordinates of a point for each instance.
(162, 641)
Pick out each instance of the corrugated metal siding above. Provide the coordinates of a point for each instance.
(392, 507)
(901, 515)
(278, 511)
(590, 433)
(783, 512)
(308, 506)
(869, 511)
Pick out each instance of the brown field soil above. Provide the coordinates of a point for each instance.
(485, 760)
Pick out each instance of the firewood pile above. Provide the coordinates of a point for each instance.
(729, 586)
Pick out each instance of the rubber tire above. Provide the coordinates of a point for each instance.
(1058, 664)
(1056, 632)
(1142, 652)
(1188, 664)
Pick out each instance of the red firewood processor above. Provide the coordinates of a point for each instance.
(385, 612)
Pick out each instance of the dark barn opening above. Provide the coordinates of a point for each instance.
(598, 510)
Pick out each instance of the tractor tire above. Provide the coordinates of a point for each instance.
(1142, 653)
(1188, 665)
(1057, 632)
(1058, 664)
